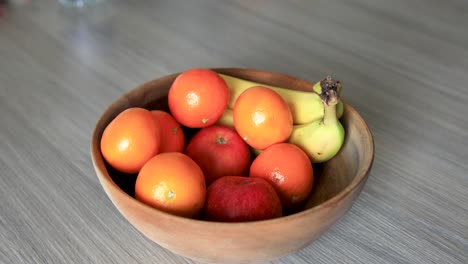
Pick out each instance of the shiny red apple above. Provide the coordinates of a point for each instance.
(241, 199)
(219, 151)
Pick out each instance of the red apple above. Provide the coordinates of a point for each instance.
(240, 199)
(219, 151)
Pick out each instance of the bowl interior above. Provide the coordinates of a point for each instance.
(330, 178)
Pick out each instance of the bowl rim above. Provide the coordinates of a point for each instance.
(106, 180)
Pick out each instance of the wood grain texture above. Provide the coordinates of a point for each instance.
(403, 65)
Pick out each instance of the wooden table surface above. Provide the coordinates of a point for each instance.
(403, 64)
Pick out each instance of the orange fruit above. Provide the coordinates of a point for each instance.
(198, 97)
(172, 135)
(262, 117)
(130, 140)
(288, 169)
(172, 182)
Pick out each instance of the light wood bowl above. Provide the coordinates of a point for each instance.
(337, 184)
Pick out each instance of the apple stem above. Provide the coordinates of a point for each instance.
(221, 141)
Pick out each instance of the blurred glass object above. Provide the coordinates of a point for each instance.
(78, 3)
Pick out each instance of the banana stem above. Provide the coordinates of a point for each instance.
(329, 117)
(329, 91)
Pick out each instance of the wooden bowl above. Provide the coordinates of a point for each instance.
(337, 184)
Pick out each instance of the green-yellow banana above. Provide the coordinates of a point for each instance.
(227, 118)
(305, 106)
(321, 139)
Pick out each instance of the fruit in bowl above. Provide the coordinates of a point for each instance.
(219, 151)
(288, 169)
(337, 181)
(241, 199)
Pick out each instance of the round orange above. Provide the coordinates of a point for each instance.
(198, 97)
(130, 140)
(262, 117)
(172, 135)
(288, 169)
(172, 182)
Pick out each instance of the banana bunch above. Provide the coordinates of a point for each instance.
(305, 106)
(317, 129)
(323, 138)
